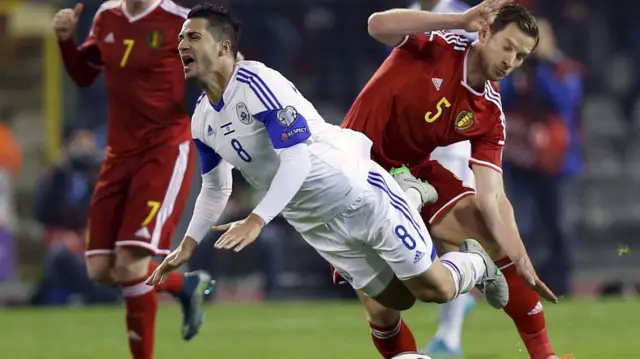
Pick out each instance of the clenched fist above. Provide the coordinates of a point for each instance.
(65, 21)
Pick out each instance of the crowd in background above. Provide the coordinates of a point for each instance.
(556, 150)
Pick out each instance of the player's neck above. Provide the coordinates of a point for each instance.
(475, 74)
(136, 7)
(217, 82)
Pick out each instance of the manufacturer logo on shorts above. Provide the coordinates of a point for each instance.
(243, 113)
(344, 275)
(418, 257)
(464, 120)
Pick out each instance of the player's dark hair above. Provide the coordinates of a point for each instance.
(518, 15)
(222, 25)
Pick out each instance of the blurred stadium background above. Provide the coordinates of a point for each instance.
(580, 216)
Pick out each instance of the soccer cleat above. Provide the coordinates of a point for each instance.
(439, 349)
(196, 286)
(406, 180)
(493, 284)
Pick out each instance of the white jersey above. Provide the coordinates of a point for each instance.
(262, 113)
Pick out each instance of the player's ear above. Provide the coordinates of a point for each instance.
(225, 48)
(484, 33)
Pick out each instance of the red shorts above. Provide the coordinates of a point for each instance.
(449, 187)
(138, 200)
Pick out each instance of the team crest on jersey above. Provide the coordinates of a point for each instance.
(464, 120)
(287, 116)
(243, 113)
(155, 39)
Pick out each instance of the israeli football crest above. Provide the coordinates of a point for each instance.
(155, 39)
(243, 113)
(287, 116)
(464, 120)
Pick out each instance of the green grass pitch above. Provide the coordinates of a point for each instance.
(590, 329)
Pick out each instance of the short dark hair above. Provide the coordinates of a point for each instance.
(222, 25)
(518, 15)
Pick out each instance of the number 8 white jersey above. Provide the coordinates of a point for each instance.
(261, 113)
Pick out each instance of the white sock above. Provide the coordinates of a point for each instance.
(450, 320)
(466, 269)
(414, 198)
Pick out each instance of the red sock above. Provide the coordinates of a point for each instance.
(525, 309)
(393, 340)
(142, 305)
(174, 282)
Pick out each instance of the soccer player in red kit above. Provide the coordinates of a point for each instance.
(145, 179)
(436, 88)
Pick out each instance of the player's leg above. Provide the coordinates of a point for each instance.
(360, 266)
(456, 217)
(155, 199)
(402, 240)
(390, 334)
(105, 215)
(368, 268)
(448, 337)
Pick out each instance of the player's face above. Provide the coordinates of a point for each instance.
(504, 51)
(198, 49)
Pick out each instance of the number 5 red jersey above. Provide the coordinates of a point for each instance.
(419, 100)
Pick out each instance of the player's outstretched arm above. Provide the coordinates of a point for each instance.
(213, 197)
(390, 27)
(499, 217)
(295, 165)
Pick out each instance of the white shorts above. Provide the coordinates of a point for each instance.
(380, 236)
(455, 158)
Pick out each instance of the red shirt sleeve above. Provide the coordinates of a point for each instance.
(486, 150)
(425, 42)
(84, 63)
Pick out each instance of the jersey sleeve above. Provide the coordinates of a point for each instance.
(209, 159)
(486, 150)
(427, 42)
(90, 45)
(272, 100)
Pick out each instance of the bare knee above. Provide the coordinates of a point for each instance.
(132, 263)
(464, 220)
(436, 293)
(436, 285)
(395, 296)
(377, 313)
(100, 269)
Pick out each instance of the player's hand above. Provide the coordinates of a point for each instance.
(239, 234)
(525, 269)
(482, 15)
(173, 261)
(65, 22)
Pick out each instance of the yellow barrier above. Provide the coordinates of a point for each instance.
(35, 20)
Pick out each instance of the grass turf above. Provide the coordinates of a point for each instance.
(590, 329)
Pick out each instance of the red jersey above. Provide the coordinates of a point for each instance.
(419, 100)
(143, 70)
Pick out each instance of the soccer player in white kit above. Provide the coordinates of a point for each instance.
(455, 158)
(318, 175)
